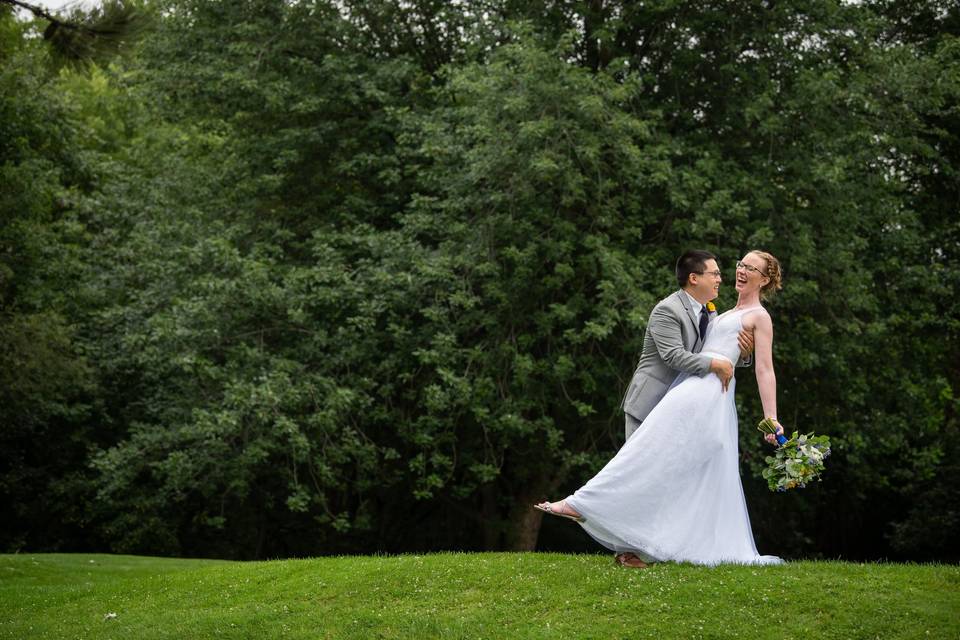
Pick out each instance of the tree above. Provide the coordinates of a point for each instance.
(47, 387)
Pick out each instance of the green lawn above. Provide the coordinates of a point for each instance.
(497, 595)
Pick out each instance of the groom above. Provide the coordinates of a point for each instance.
(675, 334)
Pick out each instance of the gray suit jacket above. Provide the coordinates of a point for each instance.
(670, 346)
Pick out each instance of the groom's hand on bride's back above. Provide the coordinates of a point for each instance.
(723, 369)
(745, 340)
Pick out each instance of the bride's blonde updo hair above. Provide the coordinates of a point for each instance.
(773, 272)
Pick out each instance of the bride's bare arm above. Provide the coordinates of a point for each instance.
(766, 378)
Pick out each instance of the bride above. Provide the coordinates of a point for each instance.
(673, 490)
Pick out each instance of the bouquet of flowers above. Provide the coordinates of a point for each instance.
(798, 459)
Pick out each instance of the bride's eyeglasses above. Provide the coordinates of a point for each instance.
(749, 268)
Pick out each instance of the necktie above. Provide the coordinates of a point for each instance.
(704, 321)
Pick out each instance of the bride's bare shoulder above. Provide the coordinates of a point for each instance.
(757, 318)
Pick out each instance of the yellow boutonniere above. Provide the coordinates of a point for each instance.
(712, 308)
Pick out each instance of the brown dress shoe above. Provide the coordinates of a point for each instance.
(629, 559)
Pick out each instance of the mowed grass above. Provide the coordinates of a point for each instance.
(456, 595)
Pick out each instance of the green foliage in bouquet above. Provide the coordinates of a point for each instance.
(797, 461)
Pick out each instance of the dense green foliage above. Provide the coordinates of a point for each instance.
(305, 277)
(458, 595)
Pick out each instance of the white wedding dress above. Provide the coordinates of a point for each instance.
(673, 490)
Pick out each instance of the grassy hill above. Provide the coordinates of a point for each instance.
(453, 595)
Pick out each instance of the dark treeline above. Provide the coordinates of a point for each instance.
(296, 278)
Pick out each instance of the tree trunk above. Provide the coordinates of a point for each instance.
(593, 21)
(525, 529)
(524, 519)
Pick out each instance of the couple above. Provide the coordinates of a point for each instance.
(673, 490)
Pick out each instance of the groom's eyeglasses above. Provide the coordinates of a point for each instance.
(749, 268)
(715, 274)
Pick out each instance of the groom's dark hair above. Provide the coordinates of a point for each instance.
(692, 262)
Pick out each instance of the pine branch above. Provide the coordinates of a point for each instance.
(93, 36)
(34, 9)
